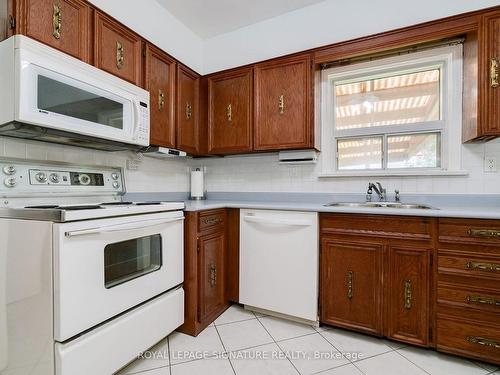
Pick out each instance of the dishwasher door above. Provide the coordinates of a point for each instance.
(279, 262)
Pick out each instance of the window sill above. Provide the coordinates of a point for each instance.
(403, 173)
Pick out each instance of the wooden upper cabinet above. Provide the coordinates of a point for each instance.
(159, 80)
(62, 24)
(230, 112)
(283, 104)
(408, 294)
(187, 109)
(117, 50)
(351, 285)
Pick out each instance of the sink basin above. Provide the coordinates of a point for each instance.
(380, 205)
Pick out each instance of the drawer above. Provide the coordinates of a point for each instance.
(472, 339)
(470, 231)
(484, 300)
(484, 267)
(209, 220)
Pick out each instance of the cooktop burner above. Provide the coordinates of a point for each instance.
(66, 208)
(117, 203)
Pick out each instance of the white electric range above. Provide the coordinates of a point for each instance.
(84, 286)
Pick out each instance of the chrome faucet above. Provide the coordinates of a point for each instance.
(379, 190)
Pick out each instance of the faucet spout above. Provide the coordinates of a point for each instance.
(378, 189)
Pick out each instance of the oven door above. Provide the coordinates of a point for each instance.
(105, 267)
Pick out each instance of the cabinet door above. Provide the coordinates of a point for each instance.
(230, 112)
(187, 109)
(351, 285)
(62, 24)
(211, 275)
(159, 80)
(283, 101)
(489, 82)
(117, 50)
(408, 295)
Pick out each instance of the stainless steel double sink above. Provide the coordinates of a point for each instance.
(380, 205)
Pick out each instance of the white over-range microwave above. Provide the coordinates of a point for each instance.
(49, 96)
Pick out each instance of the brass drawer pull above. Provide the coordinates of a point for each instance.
(281, 104)
(482, 341)
(161, 100)
(229, 113)
(483, 300)
(212, 220)
(350, 285)
(56, 21)
(494, 72)
(491, 267)
(189, 111)
(120, 55)
(408, 294)
(484, 233)
(213, 275)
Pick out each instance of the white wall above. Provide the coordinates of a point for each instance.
(263, 173)
(152, 176)
(153, 22)
(324, 23)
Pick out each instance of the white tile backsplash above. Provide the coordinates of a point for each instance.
(262, 172)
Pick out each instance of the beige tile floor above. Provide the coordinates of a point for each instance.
(243, 343)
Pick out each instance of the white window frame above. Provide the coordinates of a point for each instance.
(449, 60)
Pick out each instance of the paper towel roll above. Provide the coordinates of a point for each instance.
(197, 185)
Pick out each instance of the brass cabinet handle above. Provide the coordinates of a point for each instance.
(484, 233)
(483, 300)
(229, 113)
(56, 21)
(120, 55)
(408, 294)
(494, 72)
(350, 284)
(213, 275)
(161, 100)
(189, 111)
(492, 267)
(212, 220)
(483, 341)
(281, 104)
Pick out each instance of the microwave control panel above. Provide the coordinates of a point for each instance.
(143, 130)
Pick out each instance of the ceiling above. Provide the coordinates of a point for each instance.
(209, 18)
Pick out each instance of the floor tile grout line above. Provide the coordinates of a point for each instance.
(279, 347)
(401, 354)
(225, 350)
(236, 321)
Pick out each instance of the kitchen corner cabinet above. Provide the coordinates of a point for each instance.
(205, 244)
(159, 80)
(482, 80)
(375, 275)
(64, 24)
(188, 84)
(230, 112)
(117, 50)
(283, 104)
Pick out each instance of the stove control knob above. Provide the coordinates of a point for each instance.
(54, 177)
(9, 169)
(114, 176)
(10, 182)
(84, 179)
(116, 185)
(41, 177)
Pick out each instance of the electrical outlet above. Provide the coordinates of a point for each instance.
(490, 164)
(133, 164)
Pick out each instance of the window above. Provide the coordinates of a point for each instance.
(398, 115)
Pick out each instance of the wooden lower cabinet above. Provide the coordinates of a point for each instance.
(207, 266)
(375, 275)
(351, 285)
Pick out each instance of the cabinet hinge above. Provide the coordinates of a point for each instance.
(12, 22)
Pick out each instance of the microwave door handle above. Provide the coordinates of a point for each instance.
(285, 222)
(136, 115)
(121, 227)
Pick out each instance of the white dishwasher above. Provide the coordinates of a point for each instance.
(279, 262)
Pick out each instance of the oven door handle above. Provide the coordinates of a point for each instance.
(122, 227)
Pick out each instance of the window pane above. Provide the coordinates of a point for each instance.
(414, 151)
(359, 153)
(398, 99)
